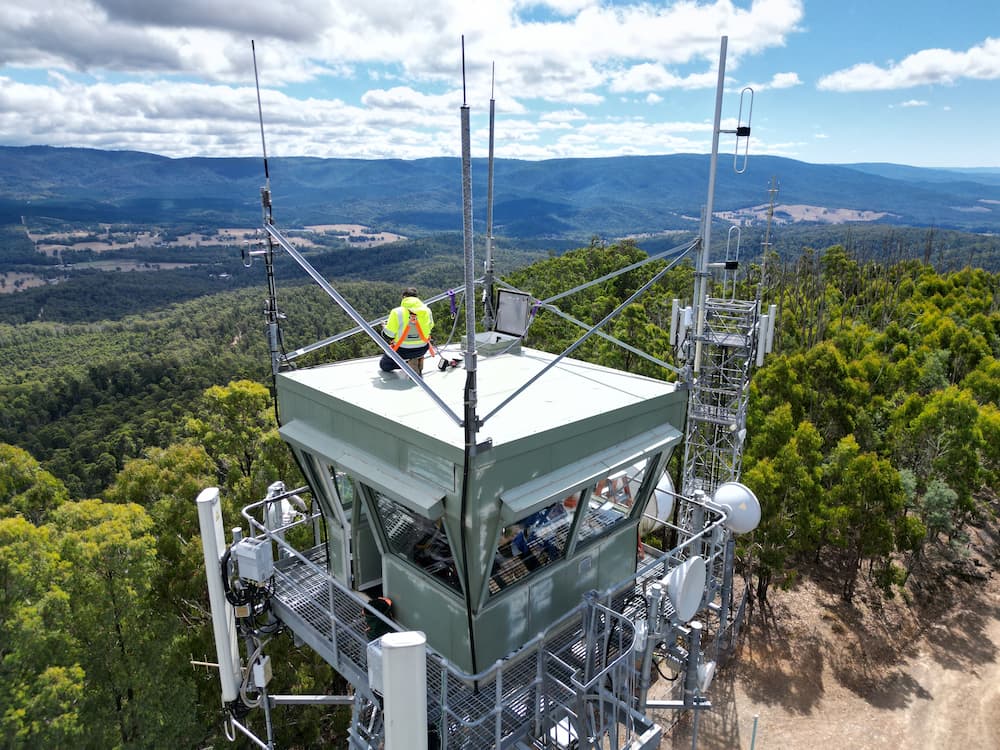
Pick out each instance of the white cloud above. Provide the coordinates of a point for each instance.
(655, 77)
(177, 78)
(927, 67)
(302, 38)
(778, 81)
(562, 115)
(914, 103)
(296, 20)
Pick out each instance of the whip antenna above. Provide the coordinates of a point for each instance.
(260, 114)
(271, 312)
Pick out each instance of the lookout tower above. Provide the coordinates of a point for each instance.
(481, 552)
(480, 525)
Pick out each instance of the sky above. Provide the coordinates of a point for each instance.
(830, 81)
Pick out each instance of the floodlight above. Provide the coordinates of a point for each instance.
(706, 671)
(742, 506)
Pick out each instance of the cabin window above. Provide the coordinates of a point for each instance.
(345, 487)
(611, 500)
(423, 542)
(534, 541)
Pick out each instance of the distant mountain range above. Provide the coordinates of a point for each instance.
(557, 198)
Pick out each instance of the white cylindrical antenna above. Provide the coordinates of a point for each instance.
(675, 311)
(223, 621)
(701, 273)
(470, 421)
(470, 300)
(772, 313)
(404, 690)
(763, 324)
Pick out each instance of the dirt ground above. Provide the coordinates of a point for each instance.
(816, 673)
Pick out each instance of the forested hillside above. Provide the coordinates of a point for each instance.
(873, 443)
(80, 294)
(569, 198)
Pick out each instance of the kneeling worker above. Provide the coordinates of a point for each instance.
(408, 327)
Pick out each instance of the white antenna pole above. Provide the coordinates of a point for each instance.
(404, 684)
(702, 273)
(471, 420)
(488, 285)
(260, 116)
(213, 539)
(470, 290)
(271, 312)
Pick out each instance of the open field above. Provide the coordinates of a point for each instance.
(357, 233)
(107, 239)
(788, 213)
(12, 281)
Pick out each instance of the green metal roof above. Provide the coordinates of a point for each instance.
(571, 391)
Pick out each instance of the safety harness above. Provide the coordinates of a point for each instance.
(413, 321)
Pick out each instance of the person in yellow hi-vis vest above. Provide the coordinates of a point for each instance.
(408, 328)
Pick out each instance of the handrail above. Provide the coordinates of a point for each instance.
(575, 656)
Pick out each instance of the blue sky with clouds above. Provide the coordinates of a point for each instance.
(913, 82)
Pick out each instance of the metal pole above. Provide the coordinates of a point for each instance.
(404, 683)
(701, 276)
(691, 687)
(470, 299)
(694, 658)
(726, 596)
(471, 420)
(655, 597)
(488, 266)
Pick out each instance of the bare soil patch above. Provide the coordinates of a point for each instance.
(877, 674)
(789, 213)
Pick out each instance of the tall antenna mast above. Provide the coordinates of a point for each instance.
(773, 193)
(488, 266)
(471, 420)
(271, 309)
(766, 244)
(265, 192)
(701, 272)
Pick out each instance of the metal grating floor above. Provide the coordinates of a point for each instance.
(534, 689)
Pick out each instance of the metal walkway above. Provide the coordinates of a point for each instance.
(579, 682)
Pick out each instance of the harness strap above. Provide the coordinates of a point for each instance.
(414, 321)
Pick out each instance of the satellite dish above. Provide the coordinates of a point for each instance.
(741, 505)
(660, 504)
(706, 671)
(685, 585)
